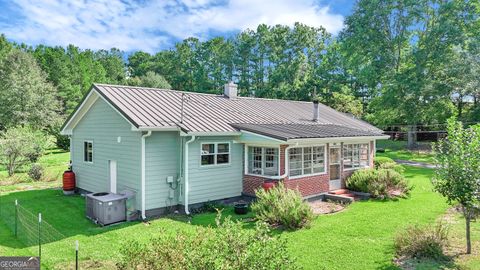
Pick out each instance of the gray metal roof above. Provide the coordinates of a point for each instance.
(157, 108)
(302, 131)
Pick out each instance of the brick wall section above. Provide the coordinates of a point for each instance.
(309, 185)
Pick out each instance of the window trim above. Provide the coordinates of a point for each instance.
(310, 174)
(368, 155)
(247, 153)
(85, 161)
(215, 154)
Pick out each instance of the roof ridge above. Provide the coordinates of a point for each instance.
(198, 93)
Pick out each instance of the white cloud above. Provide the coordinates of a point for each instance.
(148, 26)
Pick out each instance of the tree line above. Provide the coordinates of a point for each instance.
(403, 63)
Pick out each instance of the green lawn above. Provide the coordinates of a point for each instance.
(361, 237)
(398, 150)
(55, 162)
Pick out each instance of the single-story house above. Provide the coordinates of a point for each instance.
(178, 149)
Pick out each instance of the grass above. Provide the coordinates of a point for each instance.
(361, 237)
(398, 150)
(55, 161)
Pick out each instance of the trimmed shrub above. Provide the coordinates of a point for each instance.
(280, 206)
(36, 172)
(378, 161)
(382, 183)
(422, 242)
(226, 247)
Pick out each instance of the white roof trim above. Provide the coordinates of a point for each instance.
(337, 139)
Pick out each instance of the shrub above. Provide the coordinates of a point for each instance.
(282, 206)
(380, 160)
(422, 242)
(392, 166)
(382, 183)
(20, 146)
(226, 247)
(36, 172)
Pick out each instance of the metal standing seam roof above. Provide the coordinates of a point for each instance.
(301, 131)
(158, 108)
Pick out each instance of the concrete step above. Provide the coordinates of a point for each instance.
(339, 191)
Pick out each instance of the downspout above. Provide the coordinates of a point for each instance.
(285, 163)
(143, 172)
(185, 160)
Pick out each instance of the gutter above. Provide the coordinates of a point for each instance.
(143, 172)
(185, 167)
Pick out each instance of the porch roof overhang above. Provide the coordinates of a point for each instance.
(302, 133)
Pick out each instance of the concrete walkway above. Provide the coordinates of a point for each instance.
(415, 163)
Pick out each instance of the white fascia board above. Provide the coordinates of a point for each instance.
(262, 136)
(80, 112)
(200, 134)
(155, 128)
(337, 139)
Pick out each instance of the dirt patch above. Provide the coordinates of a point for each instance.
(322, 207)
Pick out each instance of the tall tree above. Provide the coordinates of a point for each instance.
(26, 98)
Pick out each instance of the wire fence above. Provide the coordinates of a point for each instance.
(29, 228)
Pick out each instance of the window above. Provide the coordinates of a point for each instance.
(215, 153)
(355, 156)
(306, 160)
(263, 161)
(88, 151)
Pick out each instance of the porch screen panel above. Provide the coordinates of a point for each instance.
(263, 161)
(355, 156)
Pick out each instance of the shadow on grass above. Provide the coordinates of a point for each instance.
(66, 214)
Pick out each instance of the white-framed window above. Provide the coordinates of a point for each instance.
(355, 155)
(215, 153)
(306, 160)
(263, 161)
(88, 151)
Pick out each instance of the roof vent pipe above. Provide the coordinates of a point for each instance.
(230, 90)
(315, 110)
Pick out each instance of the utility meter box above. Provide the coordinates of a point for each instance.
(169, 179)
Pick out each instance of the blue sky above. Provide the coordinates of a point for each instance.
(154, 25)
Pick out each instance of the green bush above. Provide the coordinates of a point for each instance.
(378, 161)
(36, 172)
(422, 242)
(382, 183)
(280, 206)
(226, 247)
(392, 166)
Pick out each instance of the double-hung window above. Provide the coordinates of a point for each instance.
(88, 151)
(306, 160)
(263, 161)
(355, 156)
(215, 153)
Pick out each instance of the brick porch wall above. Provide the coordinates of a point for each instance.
(309, 185)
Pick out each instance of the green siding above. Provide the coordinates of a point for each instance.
(215, 182)
(162, 159)
(103, 125)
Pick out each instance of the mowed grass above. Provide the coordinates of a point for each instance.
(361, 237)
(55, 162)
(398, 150)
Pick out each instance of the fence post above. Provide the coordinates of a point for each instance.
(39, 235)
(16, 217)
(76, 254)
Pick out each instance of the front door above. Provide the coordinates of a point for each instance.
(335, 172)
(113, 175)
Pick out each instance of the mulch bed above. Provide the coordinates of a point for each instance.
(322, 207)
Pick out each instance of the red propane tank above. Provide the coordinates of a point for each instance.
(268, 185)
(68, 182)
